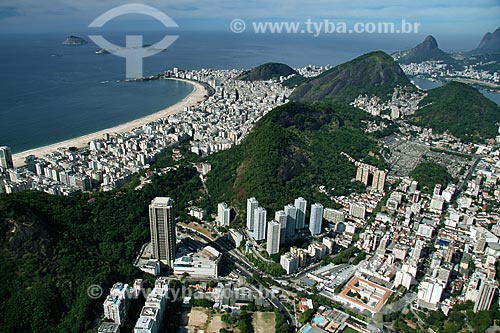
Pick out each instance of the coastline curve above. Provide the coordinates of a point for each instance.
(196, 96)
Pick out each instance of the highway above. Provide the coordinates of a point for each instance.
(234, 257)
(460, 188)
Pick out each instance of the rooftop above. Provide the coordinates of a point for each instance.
(144, 323)
(372, 296)
(108, 328)
(162, 201)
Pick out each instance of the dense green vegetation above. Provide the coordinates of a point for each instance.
(461, 318)
(271, 268)
(306, 316)
(202, 302)
(54, 248)
(291, 152)
(243, 319)
(344, 256)
(281, 324)
(375, 73)
(294, 81)
(461, 110)
(245, 322)
(267, 71)
(428, 174)
(165, 159)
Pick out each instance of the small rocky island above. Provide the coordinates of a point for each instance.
(73, 40)
(102, 51)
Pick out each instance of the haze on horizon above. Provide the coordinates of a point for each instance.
(457, 24)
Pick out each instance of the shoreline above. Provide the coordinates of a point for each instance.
(195, 97)
(478, 84)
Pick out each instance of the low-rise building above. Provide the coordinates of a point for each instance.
(151, 318)
(429, 294)
(364, 295)
(117, 303)
(223, 214)
(202, 264)
(290, 262)
(108, 328)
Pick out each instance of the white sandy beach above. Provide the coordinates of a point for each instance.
(196, 96)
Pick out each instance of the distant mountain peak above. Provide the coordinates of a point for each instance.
(429, 43)
(489, 43)
(375, 73)
(267, 71)
(428, 50)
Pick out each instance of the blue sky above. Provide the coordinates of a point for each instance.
(449, 19)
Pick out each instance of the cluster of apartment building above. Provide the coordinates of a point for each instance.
(152, 314)
(297, 257)
(368, 174)
(401, 104)
(358, 205)
(343, 224)
(228, 115)
(443, 247)
(289, 224)
(433, 69)
(419, 234)
(286, 223)
(215, 124)
(438, 69)
(107, 163)
(312, 70)
(117, 304)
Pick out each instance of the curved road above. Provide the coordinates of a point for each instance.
(234, 257)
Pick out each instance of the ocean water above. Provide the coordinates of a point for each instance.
(50, 92)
